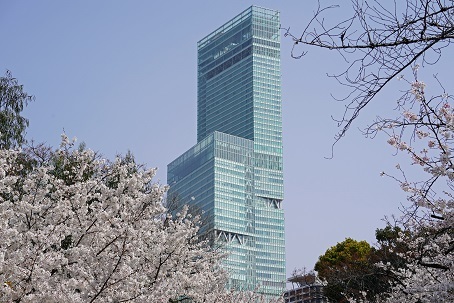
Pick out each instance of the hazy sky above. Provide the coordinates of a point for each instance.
(121, 75)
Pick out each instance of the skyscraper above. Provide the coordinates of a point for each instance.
(234, 172)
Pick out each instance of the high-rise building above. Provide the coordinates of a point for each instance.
(234, 172)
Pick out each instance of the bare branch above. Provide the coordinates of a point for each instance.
(379, 42)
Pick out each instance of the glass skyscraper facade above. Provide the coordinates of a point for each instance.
(234, 172)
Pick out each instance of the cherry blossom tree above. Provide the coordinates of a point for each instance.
(380, 42)
(424, 131)
(77, 228)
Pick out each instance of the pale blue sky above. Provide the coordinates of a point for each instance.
(121, 75)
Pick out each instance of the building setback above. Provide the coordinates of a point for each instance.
(234, 172)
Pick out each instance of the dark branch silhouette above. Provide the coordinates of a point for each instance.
(378, 43)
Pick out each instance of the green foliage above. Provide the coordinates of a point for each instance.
(387, 235)
(66, 167)
(346, 253)
(350, 267)
(389, 247)
(13, 99)
(350, 270)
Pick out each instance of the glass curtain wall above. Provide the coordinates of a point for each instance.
(234, 173)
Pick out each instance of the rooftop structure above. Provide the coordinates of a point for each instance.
(306, 288)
